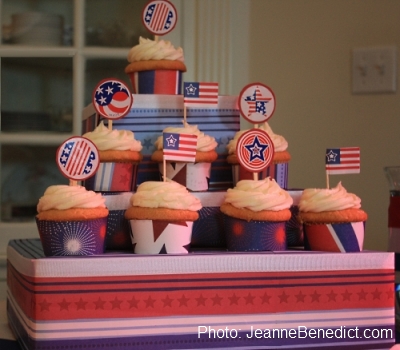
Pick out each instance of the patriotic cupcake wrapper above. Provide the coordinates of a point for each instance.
(162, 82)
(72, 238)
(343, 237)
(194, 176)
(161, 236)
(242, 235)
(113, 177)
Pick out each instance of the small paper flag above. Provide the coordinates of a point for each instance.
(345, 160)
(179, 147)
(200, 94)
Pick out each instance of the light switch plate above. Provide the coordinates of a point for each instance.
(374, 70)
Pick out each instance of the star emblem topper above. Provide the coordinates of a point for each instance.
(331, 156)
(255, 150)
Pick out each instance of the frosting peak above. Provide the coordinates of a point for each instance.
(148, 49)
(258, 195)
(63, 197)
(318, 200)
(280, 143)
(119, 140)
(164, 194)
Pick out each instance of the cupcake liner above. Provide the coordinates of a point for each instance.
(279, 172)
(294, 229)
(113, 177)
(163, 82)
(161, 236)
(72, 238)
(343, 237)
(242, 235)
(194, 176)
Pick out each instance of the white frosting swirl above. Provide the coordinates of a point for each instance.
(148, 49)
(168, 194)
(63, 197)
(205, 143)
(318, 200)
(118, 140)
(280, 143)
(258, 195)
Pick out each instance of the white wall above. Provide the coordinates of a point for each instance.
(302, 50)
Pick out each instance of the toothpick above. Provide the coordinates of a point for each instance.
(327, 180)
(164, 170)
(184, 113)
(155, 37)
(255, 176)
(73, 182)
(110, 124)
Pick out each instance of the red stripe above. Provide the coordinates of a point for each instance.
(71, 158)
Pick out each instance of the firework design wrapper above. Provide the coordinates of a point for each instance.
(194, 176)
(113, 177)
(161, 236)
(157, 82)
(242, 235)
(294, 229)
(72, 238)
(343, 237)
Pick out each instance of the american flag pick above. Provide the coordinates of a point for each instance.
(200, 94)
(345, 160)
(179, 147)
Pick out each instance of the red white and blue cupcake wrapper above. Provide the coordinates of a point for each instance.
(158, 82)
(72, 238)
(343, 237)
(161, 236)
(113, 177)
(243, 236)
(194, 176)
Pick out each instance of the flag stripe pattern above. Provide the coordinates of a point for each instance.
(345, 160)
(201, 94)
(179, 147)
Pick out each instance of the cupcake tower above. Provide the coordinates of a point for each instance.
(256, 211)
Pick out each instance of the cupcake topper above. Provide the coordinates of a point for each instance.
(200, 94)
(178, 148)
(256, 103)
(77, 158)
(255, 150)
(159, 17)
(112, 99)
(345, 160)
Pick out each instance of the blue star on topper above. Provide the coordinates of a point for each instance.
(256, 149)
(331, 156)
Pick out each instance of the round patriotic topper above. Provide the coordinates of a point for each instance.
(255, 150)
(112, 99)
(159, 17)
(256, 103)
(78, 158)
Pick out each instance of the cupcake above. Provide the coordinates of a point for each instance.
(71, 221)
(255, 214)
(194, 176)
(119, 155)
(278, 169)
(155, 67)
(161, 218)
(332, 220)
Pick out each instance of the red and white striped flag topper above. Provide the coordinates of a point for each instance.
(200, 94)
(78, 158)
(179, 147)
(159, 17)
(345, 160)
